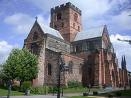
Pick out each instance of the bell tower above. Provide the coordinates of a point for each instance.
(66, 18)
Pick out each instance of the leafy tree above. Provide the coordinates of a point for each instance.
(21, 65)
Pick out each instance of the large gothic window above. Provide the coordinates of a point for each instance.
(70, 67)
(49, 69)
(35, 48)
(35, 36)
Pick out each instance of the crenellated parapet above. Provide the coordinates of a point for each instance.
(65, 6)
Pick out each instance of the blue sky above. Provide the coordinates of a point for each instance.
(18, 16)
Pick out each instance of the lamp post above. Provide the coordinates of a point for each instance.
(9, 88)
(59, 75)
(61, 68)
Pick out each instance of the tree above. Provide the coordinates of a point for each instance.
(21, 65)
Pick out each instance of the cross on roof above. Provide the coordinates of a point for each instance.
(36, 18)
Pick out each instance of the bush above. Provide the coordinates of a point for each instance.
(110, 95)
(15, 88)
(95, 93)
(39, 90)
(73, 84)
(85, 94)
(52, 89)
(118, 93)
(26, 86)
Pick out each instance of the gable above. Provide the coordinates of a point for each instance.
(35, 33)
(105, 39)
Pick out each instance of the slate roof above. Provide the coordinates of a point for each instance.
(49, 30)
(90, 33)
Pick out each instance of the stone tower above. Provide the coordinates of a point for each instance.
(66, 19)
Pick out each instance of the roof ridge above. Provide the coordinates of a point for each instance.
(47, 29)
(96, 26)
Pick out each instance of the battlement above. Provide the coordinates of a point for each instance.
(64, 6)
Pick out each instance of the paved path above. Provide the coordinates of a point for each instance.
(51, 96)
(35, 96)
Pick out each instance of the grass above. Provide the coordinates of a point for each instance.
(74, 90)
(3, 92)
(78, 90)
(116, 93)
(81, 97)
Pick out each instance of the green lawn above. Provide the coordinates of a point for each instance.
(81, 97)
(74, 90)
(118, 93)
(79, 90)
(3, 92)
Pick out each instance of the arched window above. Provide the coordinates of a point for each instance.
(35, 48)
(75, 17)
(49, 69)
(80, 68)
(58, 16)
(70, 67)
(35, 36)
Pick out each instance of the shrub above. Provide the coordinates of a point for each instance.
(26, 86)
(95, 93)
(15, 88)
(73, 84)
(52, 89)
(85, 94)
(118, 93)
(39, 90)
(110, 95)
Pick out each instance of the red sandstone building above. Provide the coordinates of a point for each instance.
(89, 54)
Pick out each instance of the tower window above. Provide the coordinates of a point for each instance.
(58, 16)
(75, 17)
(49, 69)
(62, 24)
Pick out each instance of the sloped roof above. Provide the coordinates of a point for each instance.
(49, 30)
(90, 33)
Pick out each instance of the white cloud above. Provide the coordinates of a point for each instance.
(123, 20)
(91, 9)
(122, 48)
(5, 49)
(22, 23)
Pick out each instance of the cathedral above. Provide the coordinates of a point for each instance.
(88, 56)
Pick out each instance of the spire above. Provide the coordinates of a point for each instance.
(123, 62)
